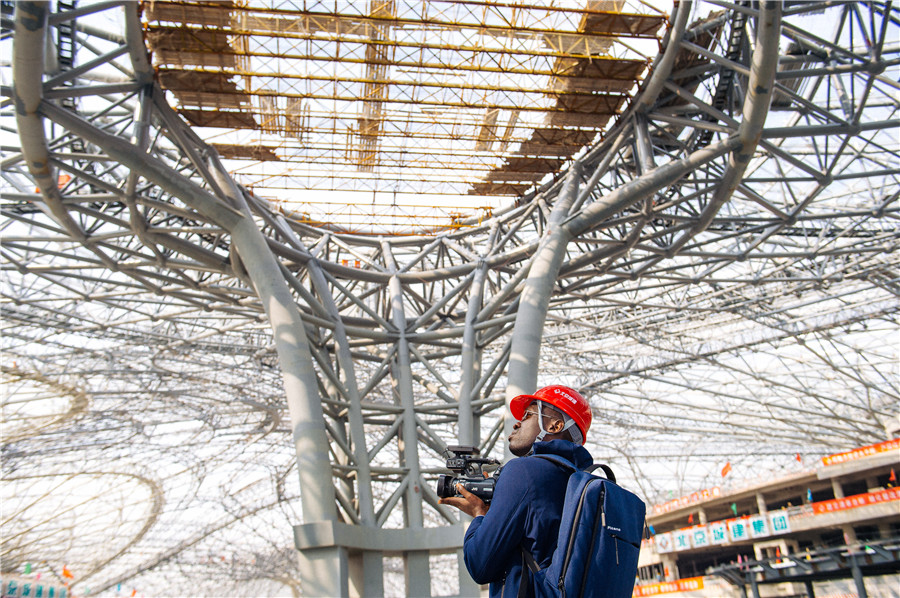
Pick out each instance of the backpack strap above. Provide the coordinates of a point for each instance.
(527, 559)
(607, 471)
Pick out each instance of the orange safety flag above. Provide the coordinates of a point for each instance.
(66, 573)
(799, 458)
(893, 476)
(61, 182)
(727, 469)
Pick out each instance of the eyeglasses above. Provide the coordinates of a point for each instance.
(530, 413)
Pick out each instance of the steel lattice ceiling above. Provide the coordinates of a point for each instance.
(146, 439)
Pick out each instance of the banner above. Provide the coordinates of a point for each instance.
(700, 536)
(664, 543)
(737, 530)
(718, 532)
(667, 587)
(685, 501)
(858, 500)
(682, 538)
(759, 526)
(775, 523)
(25, 587)
(781, 522)
(866, 451)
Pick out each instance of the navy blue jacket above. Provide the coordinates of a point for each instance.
(525, 512)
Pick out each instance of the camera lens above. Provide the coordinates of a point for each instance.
(446, 486)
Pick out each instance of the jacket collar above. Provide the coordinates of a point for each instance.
(577, 454)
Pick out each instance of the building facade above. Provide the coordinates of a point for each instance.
(830, 530)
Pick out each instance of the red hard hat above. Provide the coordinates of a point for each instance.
(565, 399)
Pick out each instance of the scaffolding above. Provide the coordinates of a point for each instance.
(439, 98)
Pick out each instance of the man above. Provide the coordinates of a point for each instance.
(530, 492)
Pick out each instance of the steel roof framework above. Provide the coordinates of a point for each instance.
(687, 308)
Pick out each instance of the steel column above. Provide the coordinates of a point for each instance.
(754, 586)
(810, 590)
(366, 568)
(351, 385)
(858, 579)
(468, 430)
(535, 298)
(471, 360)
(415, 563)
(324, 570)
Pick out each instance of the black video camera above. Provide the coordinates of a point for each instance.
(469, 470)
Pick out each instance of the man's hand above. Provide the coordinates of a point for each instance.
(468, 503)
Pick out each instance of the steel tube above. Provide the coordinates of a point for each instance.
(663, 66)
(299, 377)
(140, 61)
(756, 107)
(415, 563)
(471, 360)
(638, 189)
(535, 298)
(28, 65)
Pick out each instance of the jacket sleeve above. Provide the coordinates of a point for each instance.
(492, 541)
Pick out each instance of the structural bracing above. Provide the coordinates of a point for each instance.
(708, 250)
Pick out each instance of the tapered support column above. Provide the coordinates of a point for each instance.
(366, 571)
(415, 563)
(524, 359)
(301, 387)
(324, 572)
(471, 360)
(417, 574)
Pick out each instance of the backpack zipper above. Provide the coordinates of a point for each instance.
(562, 575)
(602, 521)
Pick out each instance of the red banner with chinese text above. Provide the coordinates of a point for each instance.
(857, 500)
(667, 587)
(690, 499)
(866, 451)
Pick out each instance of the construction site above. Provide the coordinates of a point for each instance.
(264, 261)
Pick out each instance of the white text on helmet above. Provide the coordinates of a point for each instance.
(565, 394)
